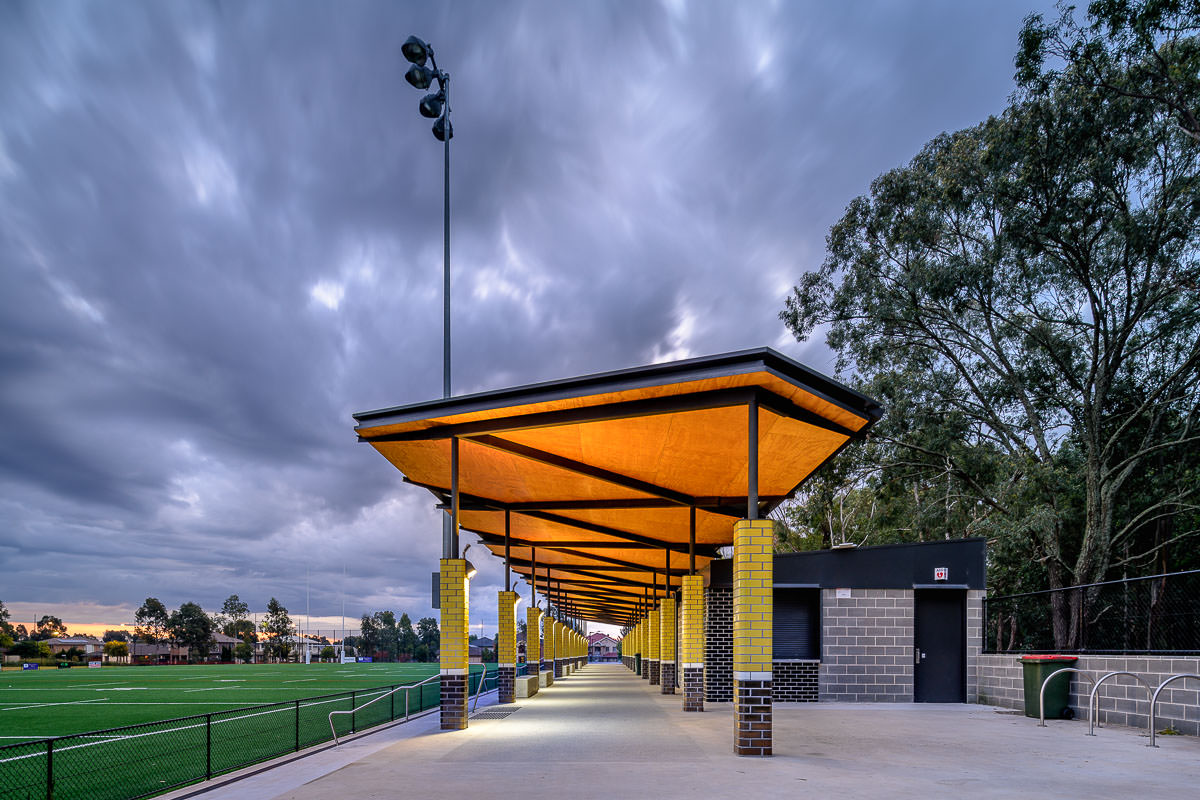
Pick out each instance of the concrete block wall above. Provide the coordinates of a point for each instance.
(867, 646)
(974, 641)
(1122, 700)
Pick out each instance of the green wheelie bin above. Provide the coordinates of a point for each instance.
(1058, 692)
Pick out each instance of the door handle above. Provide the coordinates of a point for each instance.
(918, 656)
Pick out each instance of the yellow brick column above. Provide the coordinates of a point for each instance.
(506, 647)
(753, 617)
(533, 642)
(666, 644)
(652, 646)
(691, 642)
(548, 648)
(560, 657)
(644, 646)
(454, 654)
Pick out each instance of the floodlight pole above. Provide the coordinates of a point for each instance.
(444, 80)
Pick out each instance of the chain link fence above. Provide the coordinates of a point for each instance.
(147, 759)
(1158, 614)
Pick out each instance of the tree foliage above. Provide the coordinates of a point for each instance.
(430, 636)
(1024, 296)
(1145, 50)
(234, 617)
(49, 627)
(151, 621)
(277, 628)
(190, 627)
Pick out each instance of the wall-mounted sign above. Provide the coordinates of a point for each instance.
(840, 593)
(941, 573)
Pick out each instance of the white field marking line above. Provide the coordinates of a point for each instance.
(170, 730)
(231, 680)
(125, 689)
(88, 685)
(300, 680)
(212, 689)
(68, 703)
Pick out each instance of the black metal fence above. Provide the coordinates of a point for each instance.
(142, 760)
(1156, 614)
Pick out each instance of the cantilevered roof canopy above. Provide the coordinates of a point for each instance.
(604, 482)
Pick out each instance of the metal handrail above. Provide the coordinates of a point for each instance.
(1094, 703)
(1042, 692)
(479, 689)
(333, 730)
(1154, 700)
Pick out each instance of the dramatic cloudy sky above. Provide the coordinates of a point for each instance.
(220, 235)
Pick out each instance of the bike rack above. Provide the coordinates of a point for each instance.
(1094, 704)
(1042, 692)
(1093, 701)
(1154, 700)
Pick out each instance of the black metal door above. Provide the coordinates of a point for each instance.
(940, 636)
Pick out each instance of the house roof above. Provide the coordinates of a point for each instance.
(610, 487)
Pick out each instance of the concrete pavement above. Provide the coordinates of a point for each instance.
(605, 733)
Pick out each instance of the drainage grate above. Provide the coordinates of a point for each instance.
(495, 713)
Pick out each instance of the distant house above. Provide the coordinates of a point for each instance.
(602, 647)
(221, 643)
(88, 644)
(144, 653)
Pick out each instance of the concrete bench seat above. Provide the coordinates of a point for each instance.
(527, 685)
(546, 678)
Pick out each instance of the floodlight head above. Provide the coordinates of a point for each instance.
(420, 76)
(431, 105)
(441, 127)
(470, 570)
(415, 50)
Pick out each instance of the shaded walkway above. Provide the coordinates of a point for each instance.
(603, 732)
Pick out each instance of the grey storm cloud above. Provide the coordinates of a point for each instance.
(220, 234)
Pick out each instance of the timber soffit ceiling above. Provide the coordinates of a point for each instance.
(603, 482)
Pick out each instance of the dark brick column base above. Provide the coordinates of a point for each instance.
(668, 677)
(693, 688)
(547, 666)
(645, 669)
(655, 675)
(558, 668)
(454, 702)
(752, 718)
(506, 682)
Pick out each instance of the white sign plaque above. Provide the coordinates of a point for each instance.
(840, 593)
(941, 573)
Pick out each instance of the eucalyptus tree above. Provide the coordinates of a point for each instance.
(1026, 294)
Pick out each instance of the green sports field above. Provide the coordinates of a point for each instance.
(39, 703)
(235, 715)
